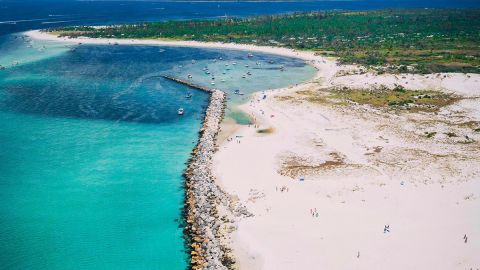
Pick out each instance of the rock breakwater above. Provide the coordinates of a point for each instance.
(205, 228)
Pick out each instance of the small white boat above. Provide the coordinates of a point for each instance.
(246, 66)
(249, 73)
(212, 83)
(190, 76)
(188, 95)
(243, 76)
(250, 55)
(234, 63)
(180, 111)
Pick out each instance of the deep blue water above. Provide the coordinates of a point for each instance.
(21, 15)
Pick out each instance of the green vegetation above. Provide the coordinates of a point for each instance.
(283, 98)
(451, 134)
(421, 41)
(314, 96)
(397, 98)
(430, 134)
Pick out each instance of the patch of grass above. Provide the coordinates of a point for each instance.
(430, 134)
(470, 124)
(284, 98)
(295, 166)
(451, 134)
(317, 99)
(466, 142)
(313, 96)
(399, 97)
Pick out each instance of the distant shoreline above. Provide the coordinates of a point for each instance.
(303, 55)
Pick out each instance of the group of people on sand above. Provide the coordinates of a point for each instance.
(313, 212)
(231, 139)
(282, 189)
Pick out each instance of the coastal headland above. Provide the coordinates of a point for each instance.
(353, 169)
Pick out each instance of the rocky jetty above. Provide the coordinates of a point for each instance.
(206, 228)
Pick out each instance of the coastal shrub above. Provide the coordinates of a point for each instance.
(430, 134)
(415, 40)
(398, 97)
(451, 134)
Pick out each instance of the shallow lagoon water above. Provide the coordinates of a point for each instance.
(93, 150)
(233, 71)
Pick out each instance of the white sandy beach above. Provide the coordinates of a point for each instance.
(426, 190)
(363, 169)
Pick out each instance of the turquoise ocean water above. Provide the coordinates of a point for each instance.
(92, 149)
